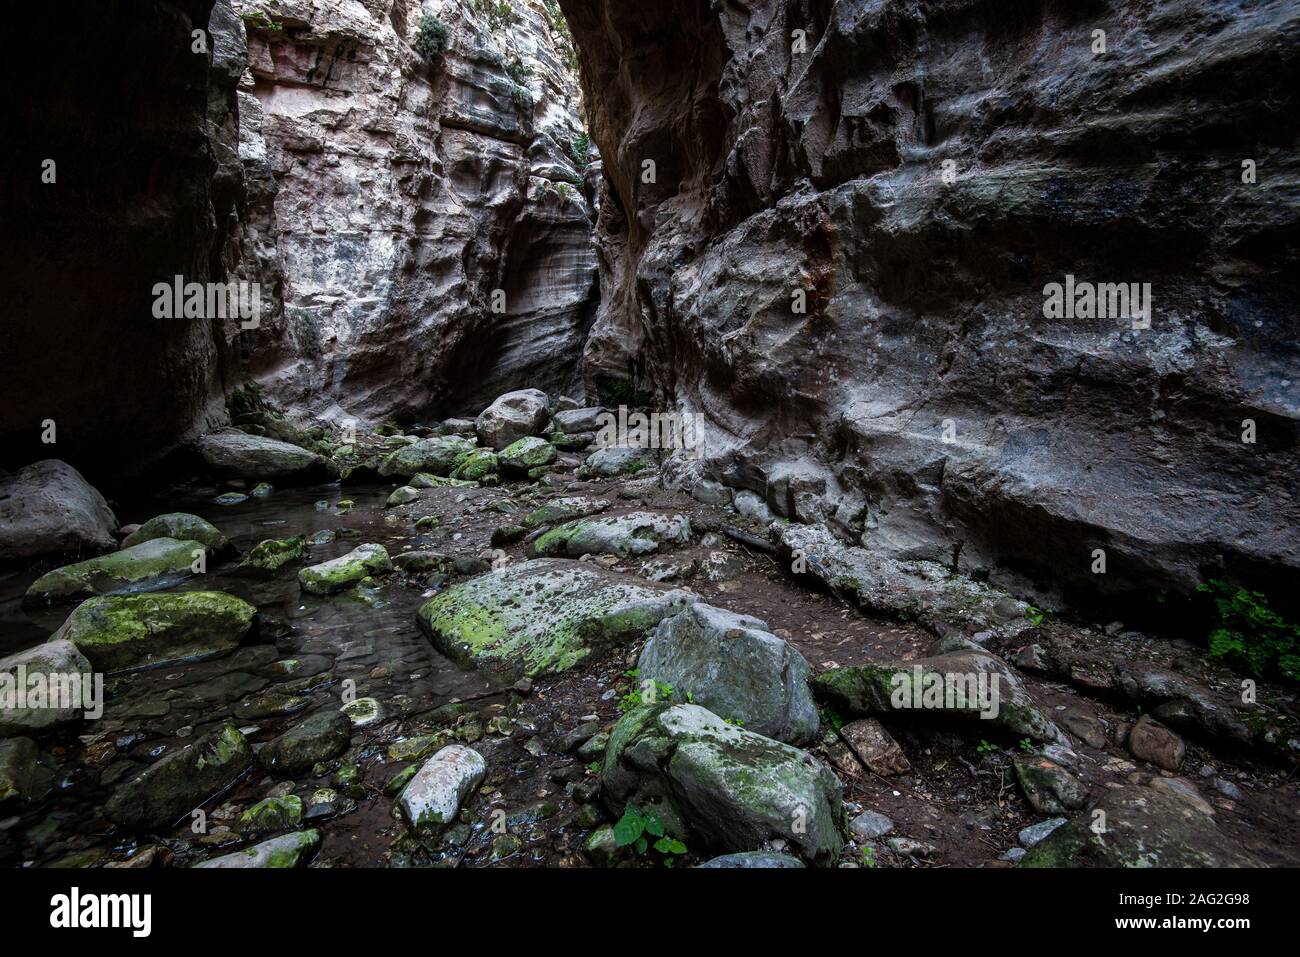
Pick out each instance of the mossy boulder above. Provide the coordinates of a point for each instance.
(436, 456)
(165, 791)
(542, 616)
(322, 736)
(127, 632)
(271, 815)
(967, 686)
(403, 495)
(425, 480)
(617, 460)
(236, 454)
(476, 466)
(182, 526)
(1141, 826)
(564, 510)
(287, 850)
(345, 571)
(269, 556)
(722, 787)
(636, 533)
(157, 563)
(524, 454)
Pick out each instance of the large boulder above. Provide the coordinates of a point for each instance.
(966, 685)
(433, 796)
(269, 556)
(157, 563)
(719, 786)
(543, 616)
(182, 526)
(236, 454)
(1141, 826)
(320, 737)
(635, 533)
(732, 665)
(513, 416)
(49, 666)
(437, 456)
(523, 455)
(177, 783)
(618, 460)
(572, 421)
(47, 508)
(287, 850)
(126, 632)
(346, 570)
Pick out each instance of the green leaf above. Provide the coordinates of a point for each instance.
(629, 827)
(670, 845)
(654, 824)
(641, 845)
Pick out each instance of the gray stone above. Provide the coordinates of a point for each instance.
(55, 662)
(435, 794)
(513, 416)
(157, 563)
(634, 533)
(287, 850)
(257, 458)
(47, 508)
(346, 570)
(765, 860)
(1038, 832)
(870, 825)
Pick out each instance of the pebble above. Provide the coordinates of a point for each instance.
(1036, 833)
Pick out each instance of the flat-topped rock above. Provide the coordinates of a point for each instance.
(635, 533)
(238, 454)
(543, 616)
(157, 563)
(345, 571)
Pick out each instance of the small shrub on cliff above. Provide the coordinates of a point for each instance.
(260, 21)
(1251, 635)
(579, 147)
(432, 38)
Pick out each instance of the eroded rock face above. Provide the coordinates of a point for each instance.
(922, 398)
(391, 194)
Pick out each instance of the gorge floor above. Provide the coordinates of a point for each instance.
(960, 798)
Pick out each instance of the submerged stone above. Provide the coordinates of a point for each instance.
(127, 632)
(269, 556)
(345, 571)
(542, 616)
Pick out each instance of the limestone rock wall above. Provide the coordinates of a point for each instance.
(391, 194)
(919, 172)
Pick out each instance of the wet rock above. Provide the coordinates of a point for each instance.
(345, 571)
(230, 498)
(875, 747)
(513, 416)
(602, 848)
(287, 850)
(18, 757)
(765, 860)
(159, 795)
(435, 793)
(269, 556)
(272, 704)
(402, 496)
(969, 686)
(522, 455)
(503, 846)
(1049, 788)
(47, 665)
(128, 632)
(47, 508)
(271, 815)
(437, 456)
(480, 465)
(254, 457)
(635, 533)
(148, 566)
(733, 666)
(870, 825)
(716, 785)
(183, 527)
(617, 460)
(564, 510)
(1140, 827)
(542, 617)
(148, 857)
(321, 737)
(1151, 741)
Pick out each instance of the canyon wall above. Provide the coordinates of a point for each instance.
(392, 192)
(914, 174)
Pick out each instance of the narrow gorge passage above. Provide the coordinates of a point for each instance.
(746, 434)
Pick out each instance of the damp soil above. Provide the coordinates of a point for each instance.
(536, 806)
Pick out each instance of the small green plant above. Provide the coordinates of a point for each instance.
(1026, 746)
(1037, 616)
(518, 70)
(868, 857)
(579, 148)
(497, 13)
(1249, 634)
(735, 722)
(564, 191)
(432, 37)
(658, 691)
(595, 767)
(986, 747)
(635, 466)
(260, 21)
(635, 828)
